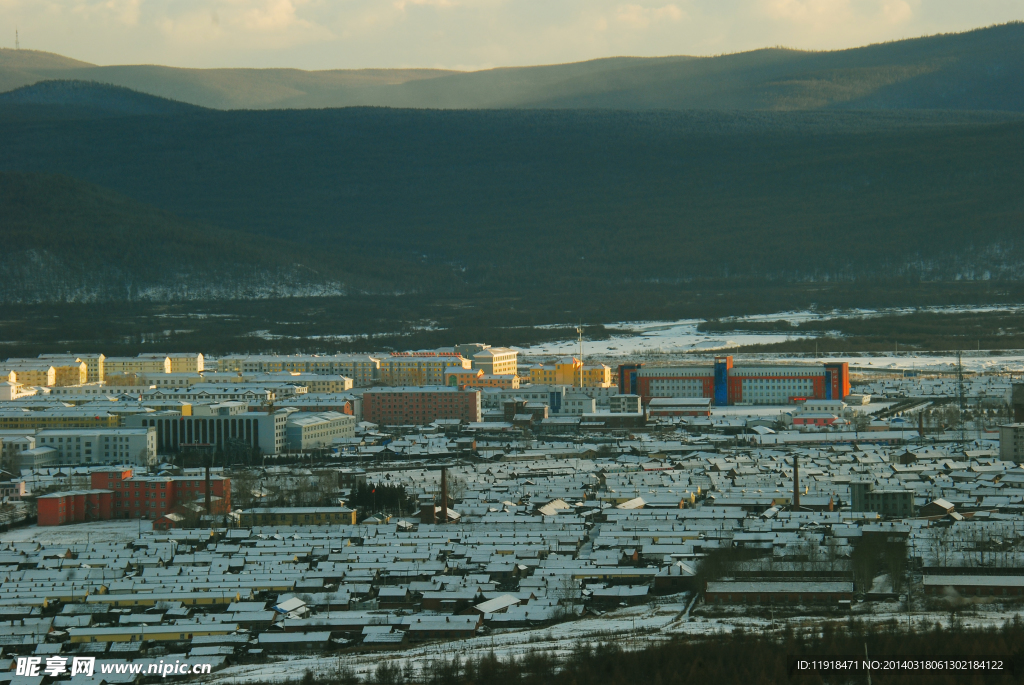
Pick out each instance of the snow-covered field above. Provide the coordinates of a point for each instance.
(96, 531)
(682, 337)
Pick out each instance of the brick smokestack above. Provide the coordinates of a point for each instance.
(444, 495)
(796, 481)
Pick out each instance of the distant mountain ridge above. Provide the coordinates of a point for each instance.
(99, 96)
(976, 70)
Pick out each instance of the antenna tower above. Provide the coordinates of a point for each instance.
(17, 40)
(579, 330)
(960, 397)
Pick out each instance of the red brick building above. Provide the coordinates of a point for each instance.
(420, 405)
(154, 496)
(75, 506)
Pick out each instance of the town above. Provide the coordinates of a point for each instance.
(266, 512)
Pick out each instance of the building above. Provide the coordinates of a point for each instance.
(497, 361)
(297, 516)
(1011, 441)
(578, 405)
(624, 404)
(420, 406)
(816, 419)
(571, 371)
(32, 373)
(475, 378)
(80, 446)
(154, 496)
(777, 592)
(627, 378)
(124, 366)
(13, 390)
(551, 395)
(93, 362)
(66, 370)
(680, 406)
(181, 362)
(895, 503)
(218, 426)
(419, 368)
(725, 384)
(305, 431)
(312, 382)
(362, 369)
(57, 417)
(75, 506)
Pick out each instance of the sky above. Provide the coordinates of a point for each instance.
(465, 34)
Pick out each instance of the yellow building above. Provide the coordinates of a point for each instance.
(66, 417)
(181, 362)
(419, 369)
(569, 371)
(362, 369)
(93, 363)
(497, 361)
(121, 366)
(476, 378)
(37, 373)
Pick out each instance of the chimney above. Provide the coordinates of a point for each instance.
(444, 495)
(796, 482)
(208, 512)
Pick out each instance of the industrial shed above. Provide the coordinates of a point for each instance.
(791, 592)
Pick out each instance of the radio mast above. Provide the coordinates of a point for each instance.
(17, 40)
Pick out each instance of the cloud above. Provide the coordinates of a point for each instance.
(324, 34)
(640, 17)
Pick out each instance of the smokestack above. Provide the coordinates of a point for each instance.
(444, 495)
(796, 481)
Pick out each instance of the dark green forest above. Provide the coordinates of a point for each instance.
(545, 203)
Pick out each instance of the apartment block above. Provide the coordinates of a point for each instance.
(122, 366)
(101, 446)
(181, 362)
(420, 405)
(497, 361)
(362, 369)
(94, 363)
(152, 496)
(427, 368)
(571, 371)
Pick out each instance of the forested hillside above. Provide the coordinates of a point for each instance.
(542, 202)
(69, 241)
(976, 70)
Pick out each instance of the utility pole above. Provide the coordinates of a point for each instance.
(961, 398)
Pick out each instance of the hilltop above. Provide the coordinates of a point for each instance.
(89, 95)
(975, 70)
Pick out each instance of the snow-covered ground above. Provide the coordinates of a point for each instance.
(645, 338)
(96, 531)
(630, 627)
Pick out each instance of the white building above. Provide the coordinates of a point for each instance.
(308, 431)
(80, 446)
